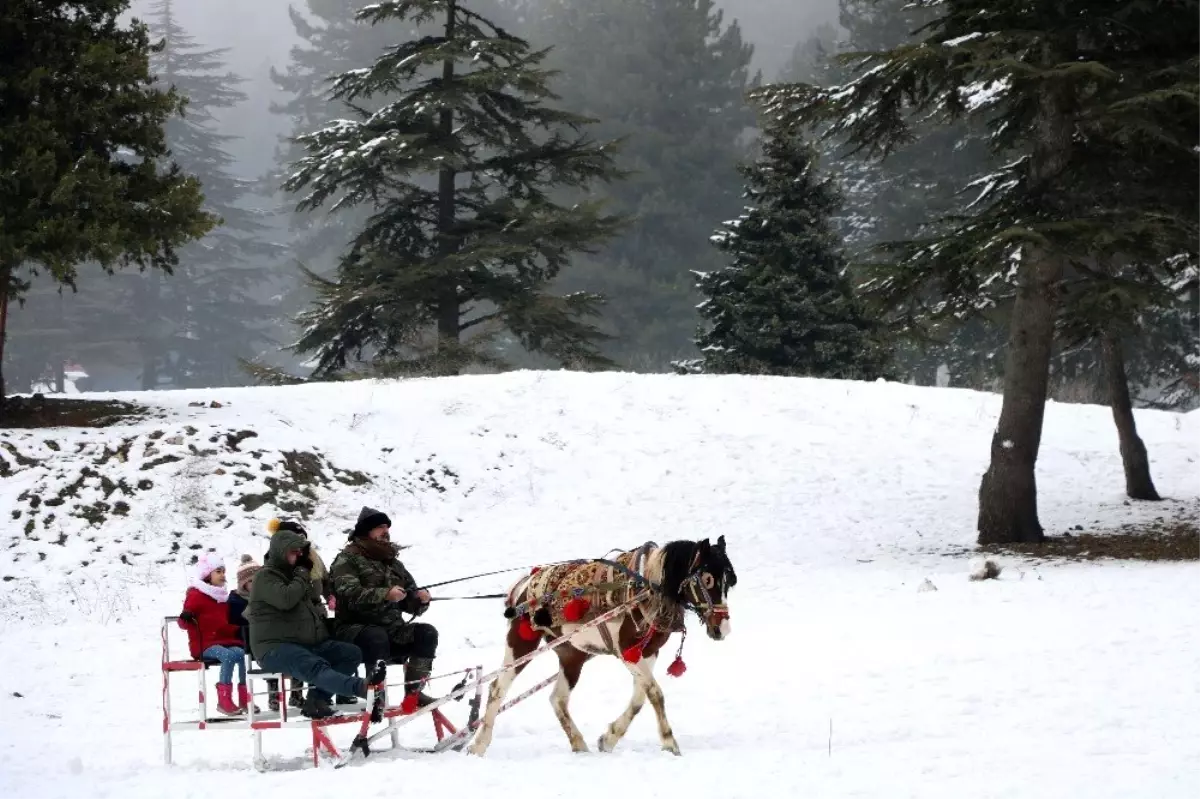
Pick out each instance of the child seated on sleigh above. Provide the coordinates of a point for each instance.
(211, 636)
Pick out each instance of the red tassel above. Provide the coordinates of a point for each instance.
(576, 609)
(634, 653)
(677, 667)
(534, 570)
(409, 704)
(526, 631)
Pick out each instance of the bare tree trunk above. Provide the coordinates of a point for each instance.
(1138, 484)
(1008, 491)
(150, 344)
(5, 277)
(60, 365)
(447, 304)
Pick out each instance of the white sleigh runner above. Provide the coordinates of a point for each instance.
(641, 585)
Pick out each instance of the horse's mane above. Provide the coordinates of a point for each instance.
(668, 566)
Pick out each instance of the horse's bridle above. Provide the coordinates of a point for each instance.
(701, 600)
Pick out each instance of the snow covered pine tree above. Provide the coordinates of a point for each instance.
(474, 254)
(785, 305)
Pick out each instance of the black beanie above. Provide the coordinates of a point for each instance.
(293, 527)
(368, 520)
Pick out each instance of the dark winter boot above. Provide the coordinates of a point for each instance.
(273, 695)
(377, 678)
(345, 700)
(296, 699)
(316, 706)
(415, 671)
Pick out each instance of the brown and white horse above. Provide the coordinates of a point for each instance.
(557, 600)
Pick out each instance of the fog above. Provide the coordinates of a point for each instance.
(237, 293)
(259, 34)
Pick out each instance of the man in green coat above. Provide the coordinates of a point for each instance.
(288, 632)
(373, 590)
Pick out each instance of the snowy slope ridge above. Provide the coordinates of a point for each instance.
(794, 470)
(838, 499)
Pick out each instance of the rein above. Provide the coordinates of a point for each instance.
(472, 596)
(484, 574)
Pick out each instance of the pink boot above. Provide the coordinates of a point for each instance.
(244, 699)
(225, 699)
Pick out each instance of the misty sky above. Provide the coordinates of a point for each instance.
(259, 35)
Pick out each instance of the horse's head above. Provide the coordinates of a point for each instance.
(704, 574)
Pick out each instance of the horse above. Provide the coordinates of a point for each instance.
(553, 601)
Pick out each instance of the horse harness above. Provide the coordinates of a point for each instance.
(693, 595)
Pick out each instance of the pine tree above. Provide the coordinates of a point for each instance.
(784, 304)
(1164, 360)
(668, 78)
(88, 322)
(82, 143)
(809, 62)
(1071, 90)
(207, 311)
(894, 198)
(333, 41)
(897, 197)
(472, 254)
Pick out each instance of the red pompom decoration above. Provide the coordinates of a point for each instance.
(677, 667)
(526, 631)
(576, 609)
(633, 654)
(534, 570)
(409, 705)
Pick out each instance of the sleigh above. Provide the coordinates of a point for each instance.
(363, 743)
(395, 716)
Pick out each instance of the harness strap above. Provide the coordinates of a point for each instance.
(606, 634)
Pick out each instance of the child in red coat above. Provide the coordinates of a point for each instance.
(205, 616)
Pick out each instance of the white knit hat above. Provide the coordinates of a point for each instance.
(207, 564)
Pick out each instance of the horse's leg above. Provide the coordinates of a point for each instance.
(658, 702)
(616, 730)
(515, 647)
(570, 665)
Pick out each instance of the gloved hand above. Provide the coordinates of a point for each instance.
(304, 561)
(188, 616)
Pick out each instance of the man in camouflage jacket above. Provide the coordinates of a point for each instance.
(372, 590)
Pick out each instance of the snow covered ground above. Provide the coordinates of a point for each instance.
(838, 500)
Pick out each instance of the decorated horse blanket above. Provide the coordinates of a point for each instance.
(578, 592)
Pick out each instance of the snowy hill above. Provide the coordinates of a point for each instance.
(837, 499)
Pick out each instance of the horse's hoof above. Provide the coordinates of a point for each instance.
(601, 746)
